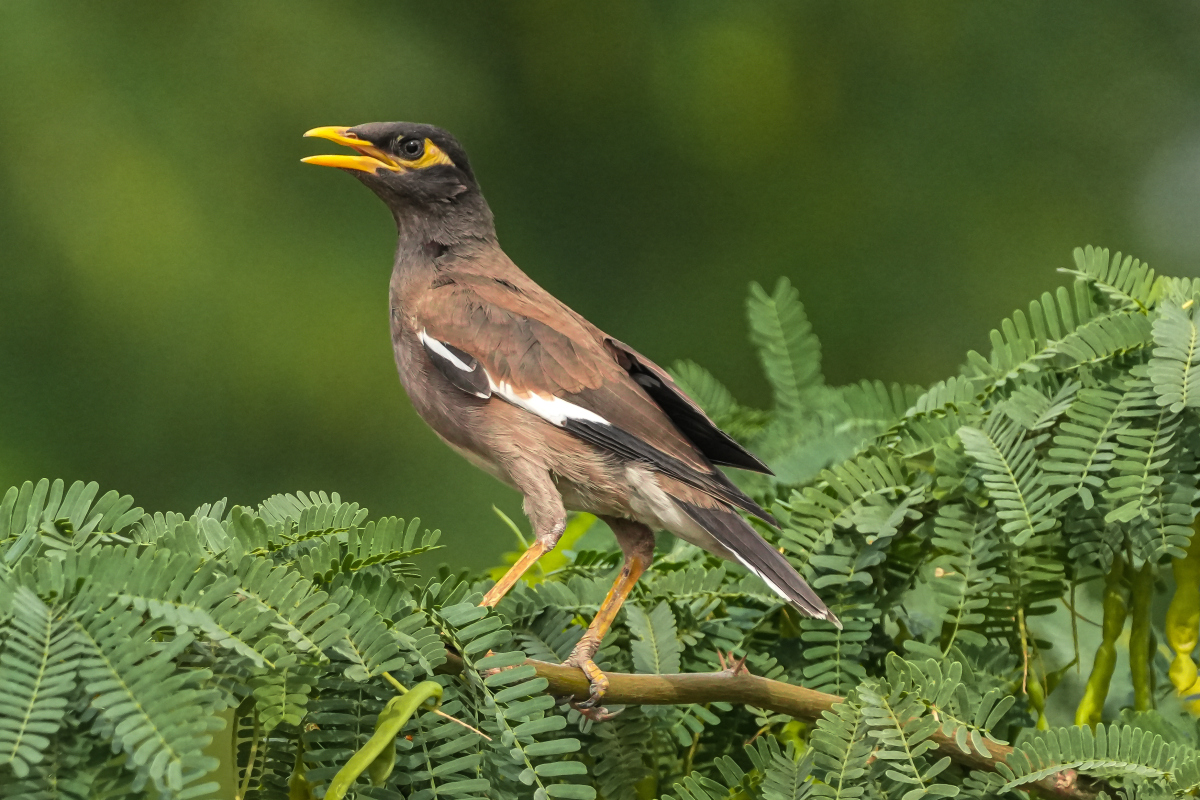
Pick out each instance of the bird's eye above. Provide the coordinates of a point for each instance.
(412, 147)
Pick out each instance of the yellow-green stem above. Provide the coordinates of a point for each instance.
(383, 742)
(1182, 624)
(1141, 652)
(1091, 706)
(298, 786)
(1036, 691)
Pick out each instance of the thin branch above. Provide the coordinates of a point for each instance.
(402, 689)
(747, 689)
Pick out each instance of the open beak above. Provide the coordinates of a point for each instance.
(370, 159)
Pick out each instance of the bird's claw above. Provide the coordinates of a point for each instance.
(587, 708)
(598, 683)
(596, 713)
(597, 686)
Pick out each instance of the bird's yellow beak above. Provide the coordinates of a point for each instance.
(370, 158)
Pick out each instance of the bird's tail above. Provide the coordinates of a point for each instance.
(756, 555)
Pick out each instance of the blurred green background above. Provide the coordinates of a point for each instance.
(187, 312)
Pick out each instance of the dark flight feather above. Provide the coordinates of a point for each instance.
(735, 534)
(716, 444)
(630, 447)
(472, 380)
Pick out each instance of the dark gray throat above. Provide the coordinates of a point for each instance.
(466, 218)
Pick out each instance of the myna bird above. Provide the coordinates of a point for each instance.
(536, 395)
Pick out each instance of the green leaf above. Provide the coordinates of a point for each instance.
(37, 674)
(790, 353)
(842, 751)
(160, 716)
(1131, 751)
(1175, 368)
(657, 648)
(571, 791)
(1013, 478)
(1126, 282)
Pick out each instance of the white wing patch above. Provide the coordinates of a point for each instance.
(443, 351)
(553, 409)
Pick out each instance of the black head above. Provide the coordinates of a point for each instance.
(409, 165)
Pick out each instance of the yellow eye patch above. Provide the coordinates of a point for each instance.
(433, 155)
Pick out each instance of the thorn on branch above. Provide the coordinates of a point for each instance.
(734, 667)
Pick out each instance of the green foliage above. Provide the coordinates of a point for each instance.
(1133, 755)
(1006, 459)
(946, 525)
(37, 675)
(790, 352)
(842, 752)
(942, 525)
(656, 648)
(775, 773)
(136, 635)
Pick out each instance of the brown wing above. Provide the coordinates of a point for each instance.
(528, 341)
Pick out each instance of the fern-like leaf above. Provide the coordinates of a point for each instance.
(281, 692)
(657, 648)
(1025, 341)
(1126, 282)
(1013, 479)
(790, 352)
(159, 716)
(1139, 489)
(1175, 368)
(1083, 447)
(961, 579)
(902, 732)
(842, 752)
(784, 776)
(308, 618)
(1101, 340)
(1129, 750)
(620, 754)
(368, 645)
(37, 674)
(966, 717)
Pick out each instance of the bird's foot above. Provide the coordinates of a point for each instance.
(597, 683)
(594, 713)
(733, 666)
(597, 680)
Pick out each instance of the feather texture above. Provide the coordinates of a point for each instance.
(755, 554)
(512, 340)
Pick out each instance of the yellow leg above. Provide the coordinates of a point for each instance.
(497, 592)
(581, 656)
